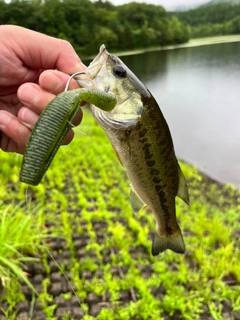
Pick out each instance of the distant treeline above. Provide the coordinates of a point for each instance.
(87, 25)
(220, 19)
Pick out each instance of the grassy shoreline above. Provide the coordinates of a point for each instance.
(191, 43)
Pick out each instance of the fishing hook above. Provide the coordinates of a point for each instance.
(72, 77)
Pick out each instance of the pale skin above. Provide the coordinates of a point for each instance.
(34, 68)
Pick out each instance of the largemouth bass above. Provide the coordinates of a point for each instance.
(141, 138)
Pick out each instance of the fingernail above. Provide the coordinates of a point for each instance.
(76, 67)
(28, 118)
(50, 78)
(27, 93)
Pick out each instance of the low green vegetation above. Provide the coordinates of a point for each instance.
(99, 264)
(16, 236)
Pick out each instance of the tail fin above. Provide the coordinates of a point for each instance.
(174, 242)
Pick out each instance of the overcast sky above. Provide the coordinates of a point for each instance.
(167, 4)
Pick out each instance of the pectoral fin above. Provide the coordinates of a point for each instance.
(136, 203)
(117, 155)
(182, 187)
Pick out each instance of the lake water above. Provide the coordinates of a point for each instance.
(198, 91)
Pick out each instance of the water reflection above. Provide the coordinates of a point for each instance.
(147, 65)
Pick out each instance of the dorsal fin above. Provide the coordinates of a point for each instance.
(182, 187)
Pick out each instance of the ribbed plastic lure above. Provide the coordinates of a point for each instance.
(52, 127)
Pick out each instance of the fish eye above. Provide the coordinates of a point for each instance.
(119, 71)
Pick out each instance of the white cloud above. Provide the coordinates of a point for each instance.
(167, 4)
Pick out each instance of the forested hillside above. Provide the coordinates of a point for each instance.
(131, 26)
(87, 25)
(212, 19)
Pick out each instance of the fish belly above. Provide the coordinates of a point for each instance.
(148, 157)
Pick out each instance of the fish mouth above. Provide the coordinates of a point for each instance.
(95, 71)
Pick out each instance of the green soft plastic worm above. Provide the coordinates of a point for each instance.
(52, 127)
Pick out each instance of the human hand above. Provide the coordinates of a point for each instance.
(34, 68)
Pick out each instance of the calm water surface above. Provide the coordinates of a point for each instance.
(198, 90)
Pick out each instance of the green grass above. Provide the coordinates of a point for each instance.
(86, 193)
(15, 235)
(21, 243)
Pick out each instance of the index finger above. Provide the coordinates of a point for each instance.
(39, 51)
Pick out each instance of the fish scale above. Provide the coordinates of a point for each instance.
(160, 186)
(143, 180)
